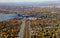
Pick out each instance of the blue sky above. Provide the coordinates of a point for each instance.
(26, 0)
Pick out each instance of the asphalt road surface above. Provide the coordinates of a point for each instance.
(27, 30)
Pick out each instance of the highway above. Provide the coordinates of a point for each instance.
(21, 33)
(25, 29)
(27, 33)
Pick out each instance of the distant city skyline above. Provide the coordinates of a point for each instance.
(27, 0)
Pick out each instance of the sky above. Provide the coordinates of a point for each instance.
(26, 0)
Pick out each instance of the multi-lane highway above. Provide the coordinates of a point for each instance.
(27, 30)
(21, 33)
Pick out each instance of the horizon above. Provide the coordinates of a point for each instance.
(23, 1)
